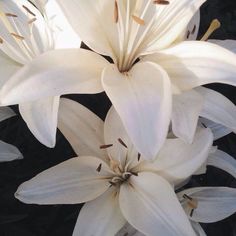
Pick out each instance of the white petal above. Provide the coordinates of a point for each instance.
(223, 161)
(218, 108)
(151, 211)
(214, 203)
(73, 181)
(40, 4)
(41, 118)
(9, 152)
(194, 63)
(185, 114)
(8, 67)
(101, 215)
(218, 130)
(6, 113)
(51, 74)
(228, 44)
(129, 230)
(178, 160)
(142, 98)
(82, 128)
(94, 23)
(198, 229)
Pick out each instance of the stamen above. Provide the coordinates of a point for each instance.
(138, 20)
(122, 142)
(32, 20)
(1, 41)
(99, 167)
(28, 10)
(10, 14)
(194, 29)
(139, 156)
(188, 34)
(192, 203)
(215, 24)
(106, 146)
(18, 36)
(116, 14)
(161, 2)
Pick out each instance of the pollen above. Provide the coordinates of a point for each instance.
(138, 20)
(161, 2)
(32, 20)
(99, 167)
(28, 10)
(106, 146)
(17, 36)
(116, 14)
(122, 142)
(11, 15)
(1, 41)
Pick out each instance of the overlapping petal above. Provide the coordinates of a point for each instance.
(103, 214)
(213, 203)
(142, 98)
(74, 181)
(6, 113)
(55, 73)
(41, 118)
(9, 152)
(149, 203)
(191, 63)
(82, 128)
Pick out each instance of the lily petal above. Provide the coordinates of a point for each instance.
(185, 114)
(218, 108)
(82, 128)
(41, 118)
(213, 203)
(103, 214)
(73, 181)
(178, 160)
(151, 211)
(194, 63)
(9, 152)
(223, 161)
(129, 230)
(228, 44)
(198, 229)
(55, 76)
(94, 23)
(6, 113)
(142, 98)
(218, 130)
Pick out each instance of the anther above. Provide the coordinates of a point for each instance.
(1, 41)
(32, 20)
(188, 34)
(192, 203)
(215, 24)
(106, 146)
(10, 14)
(161, 2)
(122, 142)
(18, 36)
(138, 20)
(194, 29)
(99, 167)
(139, 156)
(28, 10)
(116, 14)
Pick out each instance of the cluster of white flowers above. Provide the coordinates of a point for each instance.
(160, 128)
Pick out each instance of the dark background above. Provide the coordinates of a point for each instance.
(17, 219)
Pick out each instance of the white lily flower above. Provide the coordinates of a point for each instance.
(24, 35)
(115, 181)
(141, 92)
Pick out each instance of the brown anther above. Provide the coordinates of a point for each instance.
(10, 14)
(133, 173)
(139, 156)
(32, 20)
(18, 36)
(188, 34)
(185, 196)
(116, 13)
(138, 20)
(1, 41)
(106, 146)
(192, 203)
(99, 167)
(194, 29)
(28, 10)
(161, 2)
(191, 213)
(122, 142)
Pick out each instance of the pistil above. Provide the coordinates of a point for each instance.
(215, 24)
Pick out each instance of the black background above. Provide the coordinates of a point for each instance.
(17, 219)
